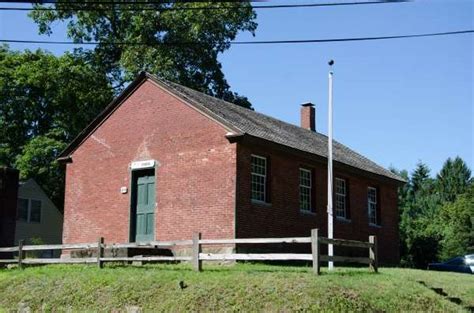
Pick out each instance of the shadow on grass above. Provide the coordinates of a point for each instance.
(441, 292)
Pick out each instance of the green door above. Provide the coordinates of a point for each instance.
(145, 208)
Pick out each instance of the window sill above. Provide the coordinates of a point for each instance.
(308, 213)
(375, 225)
(261, 203)
(343, 220)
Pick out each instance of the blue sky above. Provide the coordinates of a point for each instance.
(396, 101)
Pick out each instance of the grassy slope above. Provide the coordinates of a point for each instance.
(243, 287)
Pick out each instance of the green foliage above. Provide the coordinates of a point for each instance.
(45, 101)
(34, 241)
(403, 190)
(453, 179)
(419, 178)
(179, 45)
(236, 288)
(457, 222)
(38, 160)
(432, 228)
(417, 206)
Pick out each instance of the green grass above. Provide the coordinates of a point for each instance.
(241, 287)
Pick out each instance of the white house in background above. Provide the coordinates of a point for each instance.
(38, 219)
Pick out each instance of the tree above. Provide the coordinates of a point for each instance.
(419, 232)
(420, 179)
(456, 221)
(432, 225)
(453, 179)
(419, 205)
(45, 101)
(403, 191)
(38, 160)
(173, 41)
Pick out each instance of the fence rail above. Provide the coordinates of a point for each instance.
(197, 255)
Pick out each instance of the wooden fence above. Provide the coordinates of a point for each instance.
(198, 256)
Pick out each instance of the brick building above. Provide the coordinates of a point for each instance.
(163, 161)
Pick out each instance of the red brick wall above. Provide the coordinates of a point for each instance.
(195, 177)
(282, 218)
(196, 181)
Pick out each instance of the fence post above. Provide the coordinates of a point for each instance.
(315, 250)
(373, 253)
(20, 254)
(197, 264)
(100, 252)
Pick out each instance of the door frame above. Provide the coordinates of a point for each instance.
(133, 199)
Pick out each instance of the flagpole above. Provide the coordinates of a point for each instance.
(330, 168)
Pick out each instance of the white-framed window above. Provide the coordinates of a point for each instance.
(340, 197)
(29, 210)
(372, 204)
(259, 178)
(305, 190)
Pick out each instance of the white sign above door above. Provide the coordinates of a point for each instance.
(142, 164)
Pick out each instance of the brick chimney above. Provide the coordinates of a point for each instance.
(308, 116)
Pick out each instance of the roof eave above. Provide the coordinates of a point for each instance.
(66, 153)
(64, 159)
(203, 110)
(322, 159)
(235, 137)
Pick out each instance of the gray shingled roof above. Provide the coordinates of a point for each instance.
(272, 129)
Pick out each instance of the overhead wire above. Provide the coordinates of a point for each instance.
(80, 7)
(250, 42)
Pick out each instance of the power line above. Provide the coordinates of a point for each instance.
(148, 8)
(261, 42)
(119, 2)
(129, 2)
(126, 1)
(353, 39)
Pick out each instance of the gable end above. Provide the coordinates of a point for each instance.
(65, 155)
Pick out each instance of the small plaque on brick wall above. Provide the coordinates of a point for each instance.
(143, 164)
